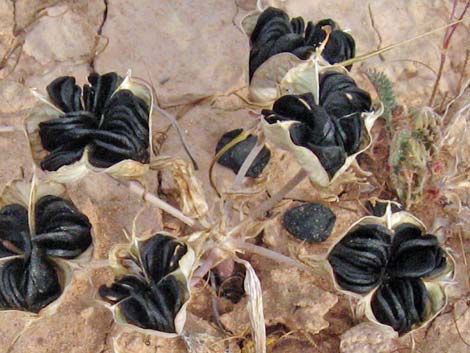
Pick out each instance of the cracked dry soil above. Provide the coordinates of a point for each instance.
(192, 51)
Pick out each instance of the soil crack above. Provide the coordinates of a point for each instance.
(99, 33)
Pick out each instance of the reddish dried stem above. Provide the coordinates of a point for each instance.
(446, 42)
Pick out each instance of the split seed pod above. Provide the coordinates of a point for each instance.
(324, 132)
(397, 270)
(39, 229)
(286, 53)
(105, 129)
(151, 289)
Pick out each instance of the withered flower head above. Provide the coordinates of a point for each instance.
(106, 124)
(31, 276)
(331, 130)
(397, 267)
(151, 290)
(274, 33)
(234, 157)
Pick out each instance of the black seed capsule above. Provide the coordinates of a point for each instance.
(332, 130)
(30, 281)
(152, 298)
(274, 33)
(115, 124)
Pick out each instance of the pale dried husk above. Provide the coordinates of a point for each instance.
(191, 198)
(27, 194)
(285, 73)
(45, 110)
(248, 23)
(252, 287)
(436, 285)
(124, 259)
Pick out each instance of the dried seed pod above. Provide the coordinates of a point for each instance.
(109, 132)
(397, 270)
(151, 289)
(286, 57)
(311, 222)
(32, 275)
(234, 157)
(274, 33)
(324, 137)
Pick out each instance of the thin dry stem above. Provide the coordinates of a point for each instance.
(240, 244)
(276, 198)
(373, 53)
(447, 38)
(6, 129)
(138, 189)
(174, 123)
(247, 164)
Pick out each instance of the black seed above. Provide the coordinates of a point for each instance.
(62, 230)
(65, 94)
(63, 155)
(401, 304)
(359, 259)
(14, 230)
(311, 222)
(161, 255)
(41, 282)
(415, 255)
(11, 277)
(234, 157)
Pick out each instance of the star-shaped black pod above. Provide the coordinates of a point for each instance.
(397, 269)
(151, 289)
(326, 136)
(35, 235)
(234, 157)
(275, 33)
(104, 127)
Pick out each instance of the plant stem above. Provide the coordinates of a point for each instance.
(446, 42)
(276, 198)
(240, 244)
(4, 129)
(247, 164)
(174, 123)
(138, 189)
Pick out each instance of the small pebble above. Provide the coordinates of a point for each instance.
(311, 222)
